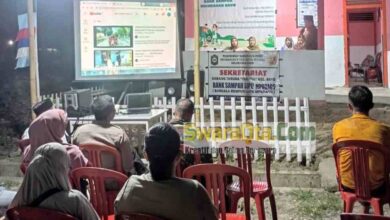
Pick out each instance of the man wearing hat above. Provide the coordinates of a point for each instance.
(310, 33)
(38, 109)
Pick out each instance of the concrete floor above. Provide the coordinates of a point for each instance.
(340, 95)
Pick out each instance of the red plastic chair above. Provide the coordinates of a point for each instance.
(22, 144)
(215, 175)
(260, 190)
(23, 167)
(101, 199)
(29, 213)
(185, 148)
(136, 216)
(360, 164)
(94, 154)
(350, 216)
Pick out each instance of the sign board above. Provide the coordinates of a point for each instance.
(243, 74)
(307, 7)
(220, 20)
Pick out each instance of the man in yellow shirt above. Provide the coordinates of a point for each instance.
(361, 127)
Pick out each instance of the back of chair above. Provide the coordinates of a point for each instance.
(351, 216)
(102, 199)
(214, 175)
(136, 216)
(23, 143)
(245, 153)
(94, 154)
(187, 149)
(360, 151)
(29, 213)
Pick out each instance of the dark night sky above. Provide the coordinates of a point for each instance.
(55, 56)
(55, 31)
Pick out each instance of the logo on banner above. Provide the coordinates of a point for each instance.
(214, 59)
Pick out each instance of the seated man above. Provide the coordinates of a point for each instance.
(183, 114)
(159, 192)
(101, 131)
(361, 127)
(38, 109)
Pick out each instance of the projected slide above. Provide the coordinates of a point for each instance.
(110, 36)
(122, 39)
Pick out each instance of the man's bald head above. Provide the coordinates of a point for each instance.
(184, 110)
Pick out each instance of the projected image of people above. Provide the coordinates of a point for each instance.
(113, 58)
(113, 36)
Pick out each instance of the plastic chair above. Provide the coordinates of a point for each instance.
(260, 190)
(215, 175)
(185, 148)
(136, 216)
(350, 216)
(360, 164)
(22, 144)
(23, 167)
(102, 200)
(29, 213)
(361, 69)
(94, 154)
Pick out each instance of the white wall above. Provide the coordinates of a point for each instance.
(379, 47)
(189, 43)
(388, 68)
(334, 61)
(358, 53)
(303, 74)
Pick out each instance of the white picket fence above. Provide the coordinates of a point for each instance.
(56, 98)
(255, 109)
(264, 113)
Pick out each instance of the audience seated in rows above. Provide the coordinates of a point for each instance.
(46, 184)
(50, 127)
(360, 126)
(101, 131)
(160, 193)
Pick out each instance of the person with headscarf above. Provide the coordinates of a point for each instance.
(46, 185)
(50, 127)
(288, 44)
(252, 44)
(159, 192)
(233, 45)
(300, 45)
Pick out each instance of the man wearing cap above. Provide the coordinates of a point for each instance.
(310, 33)
(38, 109)
(252, 44)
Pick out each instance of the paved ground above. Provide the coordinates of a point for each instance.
(340, 94)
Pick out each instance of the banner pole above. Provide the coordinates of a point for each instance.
(196, 61)
(32, 55)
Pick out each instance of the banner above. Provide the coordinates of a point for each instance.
(252, 23)
(307, 7)
(244, 74)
